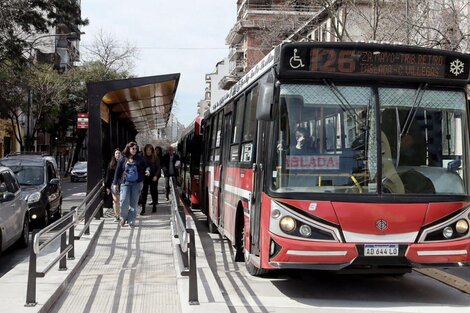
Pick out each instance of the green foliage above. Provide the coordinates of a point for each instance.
(20, 17)
(49, 90)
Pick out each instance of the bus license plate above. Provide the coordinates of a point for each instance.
(381, 250)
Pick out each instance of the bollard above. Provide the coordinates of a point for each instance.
(31, 291)
(63, 245)
(71, 255)
(193, 296)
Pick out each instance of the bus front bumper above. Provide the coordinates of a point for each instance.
(300, 254)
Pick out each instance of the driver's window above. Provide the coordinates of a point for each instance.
(50, 172)
(3, 186)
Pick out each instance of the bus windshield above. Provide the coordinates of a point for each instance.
(328, 140)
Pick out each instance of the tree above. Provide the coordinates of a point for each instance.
(49, 91)
(13, 102)
(111, 54)
(19, 19)
(77, 96)
(429, 23)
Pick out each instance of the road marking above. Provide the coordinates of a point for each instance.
(448, 279)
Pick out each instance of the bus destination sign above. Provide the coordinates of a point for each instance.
(375, 62)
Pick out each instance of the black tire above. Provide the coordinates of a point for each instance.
(72, 180)
(253, 270)
(212, 227)
(58, 212)
(23, 241)
(47, 217)
(240, 236)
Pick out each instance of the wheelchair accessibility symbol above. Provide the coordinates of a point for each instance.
(295, 61)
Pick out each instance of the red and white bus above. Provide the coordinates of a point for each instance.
(190, 149)
(343, 156)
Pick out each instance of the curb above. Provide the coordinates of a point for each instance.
(446, 278)
(209, 295)
(61, 288)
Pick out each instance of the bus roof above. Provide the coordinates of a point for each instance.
(359, 61)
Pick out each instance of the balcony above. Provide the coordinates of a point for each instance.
(247, 10)
(235, 52)
(235, 35)
(228, 81)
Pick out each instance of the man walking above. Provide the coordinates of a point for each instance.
(170, 165)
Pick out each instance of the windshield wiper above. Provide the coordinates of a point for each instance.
(414, 109)
(343, 102)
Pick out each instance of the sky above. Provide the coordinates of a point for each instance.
(176, 36)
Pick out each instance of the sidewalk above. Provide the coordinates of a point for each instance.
(134, 269)
(13, 285)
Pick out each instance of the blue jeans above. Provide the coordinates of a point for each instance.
(130, 193)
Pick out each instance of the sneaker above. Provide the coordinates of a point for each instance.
(123, 222)
(142, 213)
(117, 219)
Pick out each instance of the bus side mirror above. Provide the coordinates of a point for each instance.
(265, 102)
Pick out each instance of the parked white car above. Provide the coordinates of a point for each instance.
(14, 215)
(79, 172)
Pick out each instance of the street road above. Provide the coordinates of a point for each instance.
(73, 194)
(308, 291)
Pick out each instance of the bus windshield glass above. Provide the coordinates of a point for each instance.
(328, 140)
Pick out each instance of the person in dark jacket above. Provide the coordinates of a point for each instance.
(130, 172)
(159, 156)
(109, 181)
(170, 165)
(150, 181)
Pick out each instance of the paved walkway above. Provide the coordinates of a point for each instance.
(131, 269)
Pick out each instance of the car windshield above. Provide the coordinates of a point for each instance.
(80, 166)
(29, 175)
(328, 140)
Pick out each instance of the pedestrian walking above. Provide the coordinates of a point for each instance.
(130, 172)
(150, 181)
(158, 172)
(110, 171)
(170, 164)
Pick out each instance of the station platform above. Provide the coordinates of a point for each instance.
(119, 269)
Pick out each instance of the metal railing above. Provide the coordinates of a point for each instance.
(48, 235)
(182, 233)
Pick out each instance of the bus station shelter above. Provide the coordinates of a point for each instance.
(120, 109)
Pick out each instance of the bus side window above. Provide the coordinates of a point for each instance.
(218, 137)
(249, 126)
(237, 131)
(213, 132)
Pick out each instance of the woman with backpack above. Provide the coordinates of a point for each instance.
(130, 172)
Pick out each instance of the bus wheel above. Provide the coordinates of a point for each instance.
(240, 237)
(212, 227)
(253, 269)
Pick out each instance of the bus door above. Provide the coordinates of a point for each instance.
(225, 158)
(259, 166)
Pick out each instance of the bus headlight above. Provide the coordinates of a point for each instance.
(454, 228)
(461, 226)
(305, 230)
(447, 232)
(275, 213)
(287, 224)
(287, 221)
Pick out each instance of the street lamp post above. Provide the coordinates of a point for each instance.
(28, 139)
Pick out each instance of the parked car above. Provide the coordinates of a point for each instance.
(14, 216)
(79, 172)
(40, 183)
